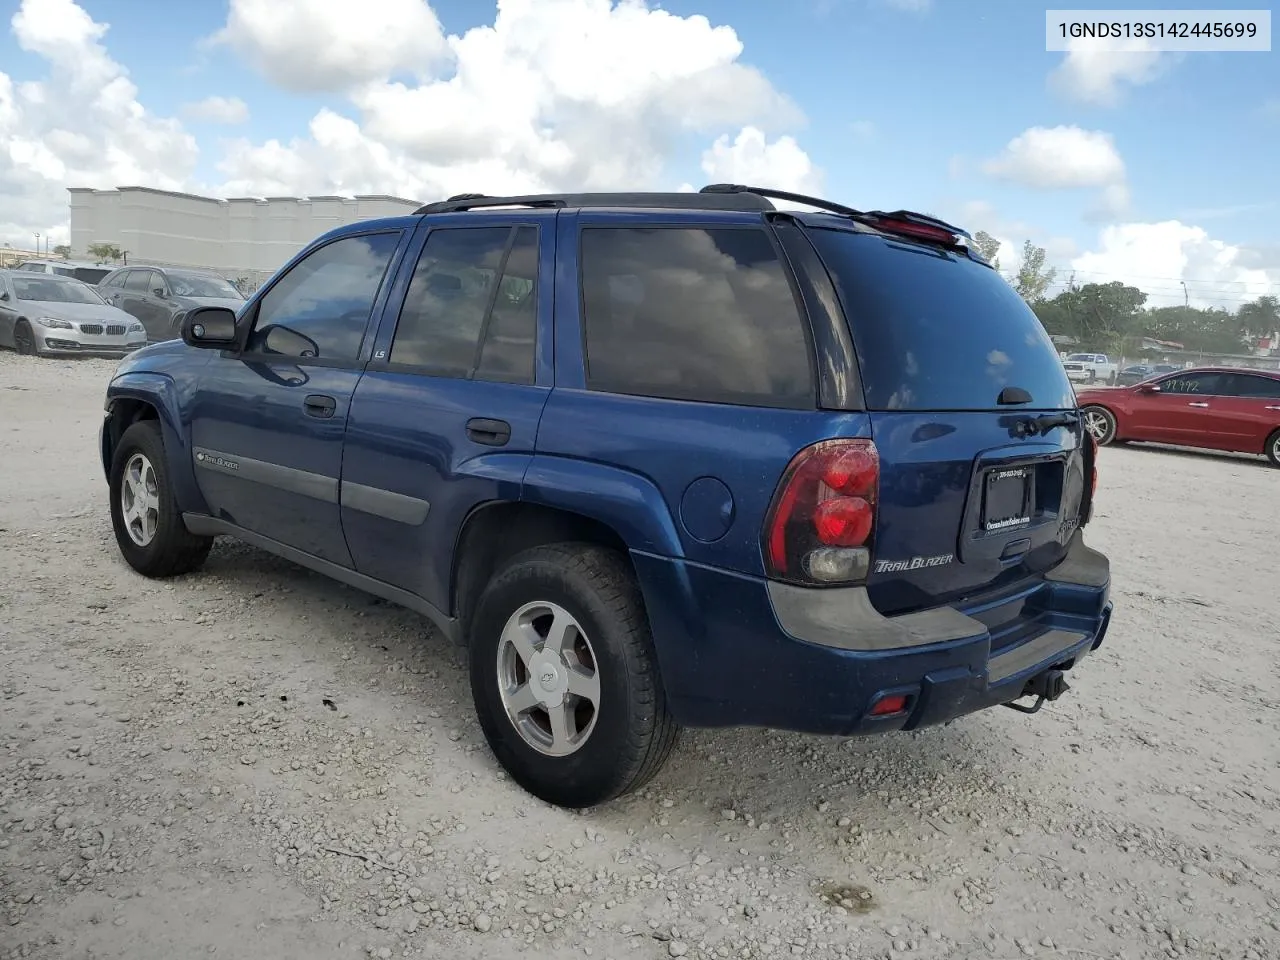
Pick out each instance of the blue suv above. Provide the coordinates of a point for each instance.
(656, 460)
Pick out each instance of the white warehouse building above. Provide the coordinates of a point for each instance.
(240, 237)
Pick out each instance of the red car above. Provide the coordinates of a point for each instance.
(1216, 408)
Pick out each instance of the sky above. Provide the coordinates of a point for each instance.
(1152, 168)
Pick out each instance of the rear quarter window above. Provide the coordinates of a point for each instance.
(935, 330)
(687, 313)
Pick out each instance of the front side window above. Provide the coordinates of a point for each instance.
(321, 307)
(137, 280)
(471, 307)
(693, 314)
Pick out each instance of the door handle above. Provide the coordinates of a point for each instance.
(318, 405)
(490, 433)
(1194, 404)
(1273, 408)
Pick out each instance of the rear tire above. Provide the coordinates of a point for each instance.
(1273, 448)
(1100, 422)
(599, 748)
(24, 341)
(144, 511)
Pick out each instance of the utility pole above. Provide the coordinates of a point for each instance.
(37, 244)
(1186, 297)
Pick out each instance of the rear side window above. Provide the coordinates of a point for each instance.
(1251, 385)
(471, 308)
(692, 314)
(937, 331)
(137, 280)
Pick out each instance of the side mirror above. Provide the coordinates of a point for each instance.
(159, 292)
(212, 328)
(4, 294)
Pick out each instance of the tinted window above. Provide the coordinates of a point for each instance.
(1209, 384)
(114, 281)
(1248, 385)
(692, 314)
(89, 274)
(471, 309)
(937, 331)
(137, 280)
(320, 308)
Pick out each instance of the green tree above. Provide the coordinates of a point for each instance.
(1260, 318)
(62, 250)
(1033, 276)
(1098, 315)
(105, 251)
(988, 246)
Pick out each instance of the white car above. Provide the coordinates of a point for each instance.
(1090, 368)
(49, 315)
(83, 270)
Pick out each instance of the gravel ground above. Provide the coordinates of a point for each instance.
(254, 762)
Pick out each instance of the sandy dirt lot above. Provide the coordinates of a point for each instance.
(253, 762)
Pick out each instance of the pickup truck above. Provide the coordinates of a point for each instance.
(1090, 368)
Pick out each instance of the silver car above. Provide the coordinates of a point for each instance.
(49, 315)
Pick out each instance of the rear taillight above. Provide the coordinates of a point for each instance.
(821, 523)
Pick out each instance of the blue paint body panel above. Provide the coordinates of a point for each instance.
(685, 485)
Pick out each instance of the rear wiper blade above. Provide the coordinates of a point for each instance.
(1046, 422)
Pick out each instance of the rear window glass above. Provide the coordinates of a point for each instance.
(937, 331)
(693, 314)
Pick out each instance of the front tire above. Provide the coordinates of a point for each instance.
(144, 511)
(24, 340)
(1273, 448)
(1100, 422)
(564, 676)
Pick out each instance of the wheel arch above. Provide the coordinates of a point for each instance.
(1115, 416)
(496, 531)
(149, 396)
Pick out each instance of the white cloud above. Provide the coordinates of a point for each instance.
(82, 125)
(553, 94)
(1058, 157)
(1156, 257)
(1090, 75)
(228, 110)
(334, 45)
(1063, 158)
(752, 160)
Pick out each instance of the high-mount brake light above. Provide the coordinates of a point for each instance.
(921, 231)
(821, 524)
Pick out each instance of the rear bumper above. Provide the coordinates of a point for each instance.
(817, 662)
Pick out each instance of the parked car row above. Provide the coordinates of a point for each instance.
(64, 307)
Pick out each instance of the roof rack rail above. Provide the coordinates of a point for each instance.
(475, 201)
(731, 188)
(740, 200)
